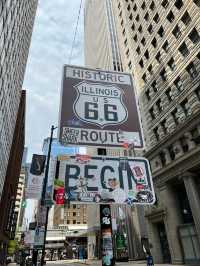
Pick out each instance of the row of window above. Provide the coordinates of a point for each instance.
(182, 109)
(183, 50)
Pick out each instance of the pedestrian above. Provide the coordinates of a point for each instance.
(149, 259)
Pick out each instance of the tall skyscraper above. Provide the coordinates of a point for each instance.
(160, 44)
(102, 50)
(16, 24)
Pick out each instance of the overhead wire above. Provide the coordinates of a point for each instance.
(75, 33)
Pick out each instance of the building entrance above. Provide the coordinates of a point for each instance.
(164, 243)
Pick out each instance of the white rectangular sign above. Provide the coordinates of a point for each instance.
(108, 180)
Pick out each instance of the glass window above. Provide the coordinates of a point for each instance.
(163, 74)
(150, 29)
(194, 36)
(166, 46)
(137, 18)
(146, 54)
(143, 41)
(168, 94)
(178, 4)
(141, 63)
(186, 18)
(191, 69)
(161, 32)
(154, 86)
(154, 42)
(176, 32)
(171, 64)
(143, 6)
(146, 17)
(158, 57)
(170, 17)
(165, 3)
(151, 112)
(138, 50)
(178, 84)
(156, 18)
(152, 5)
(197, 2)
(183, 49)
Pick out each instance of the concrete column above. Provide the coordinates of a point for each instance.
(172, 220)
(194, 198)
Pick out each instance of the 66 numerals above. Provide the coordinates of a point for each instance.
(109, 112)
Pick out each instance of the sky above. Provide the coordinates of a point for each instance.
(50, 49)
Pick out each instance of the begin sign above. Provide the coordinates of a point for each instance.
(108, 180)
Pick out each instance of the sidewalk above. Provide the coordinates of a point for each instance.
(130, 263)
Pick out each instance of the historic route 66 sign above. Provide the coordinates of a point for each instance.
(96, 107)
(100, 104)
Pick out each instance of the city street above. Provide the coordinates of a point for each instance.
(94, 263)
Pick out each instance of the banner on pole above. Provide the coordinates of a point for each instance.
(94, 105)
(35, 177)
(108, 180)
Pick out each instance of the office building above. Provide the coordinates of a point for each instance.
(7, 204)
(102, 50)
(16, 24)
(160, 46)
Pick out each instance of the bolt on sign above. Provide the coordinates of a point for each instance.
(98, 108)
(108, 180)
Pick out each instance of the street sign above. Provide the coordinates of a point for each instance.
(98, 108)
(108, 179)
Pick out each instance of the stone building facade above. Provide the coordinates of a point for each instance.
(160, 46)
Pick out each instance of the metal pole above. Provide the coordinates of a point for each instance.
(43, 194)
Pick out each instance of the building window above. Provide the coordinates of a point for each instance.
(197, 92)
(150, 69)
(178, 4)
(152, 6)
(185, 107)
(170, 17)
(158, 57)
(122, 23)
(138, 50)
(194, 36)
(154, 86)
(184, 144)
(163, 74)
(74, 214)
(150, 29)
(101, 151)
(130, 65)
(165, 3)
(147, 93)
(178, 84)
(175, 116)
(131, 16)
(135, 7)
(186, 18)
(168, 94)
(166, 46)
(183, 49)
(74, 206)
(143, 41)
(171, 152)
(171, 64)
(124, 32)
(197, 2)
(164, 126)
(159, 105)
(154, 42)
(140, 29)
(143, 6)
(155, 131)
(126, 42)
(156, 18)
(176, 32)
(144, 78)
(191, 69)
(137, 18)
(161, 32)
(74, 221)
(146, 54)
(141, 63)
(128, 7)
(162, 158)
(133, 27)
(127, 53)
(146, 17)
(152, 113)
(135, 38)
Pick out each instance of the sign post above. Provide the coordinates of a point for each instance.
(106, 236)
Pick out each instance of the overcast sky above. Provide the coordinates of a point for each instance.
(50, 48)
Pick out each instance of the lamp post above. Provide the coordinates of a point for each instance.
(44, 192)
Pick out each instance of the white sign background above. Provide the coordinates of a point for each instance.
(108, 179)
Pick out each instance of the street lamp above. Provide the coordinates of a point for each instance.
(44, 192)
